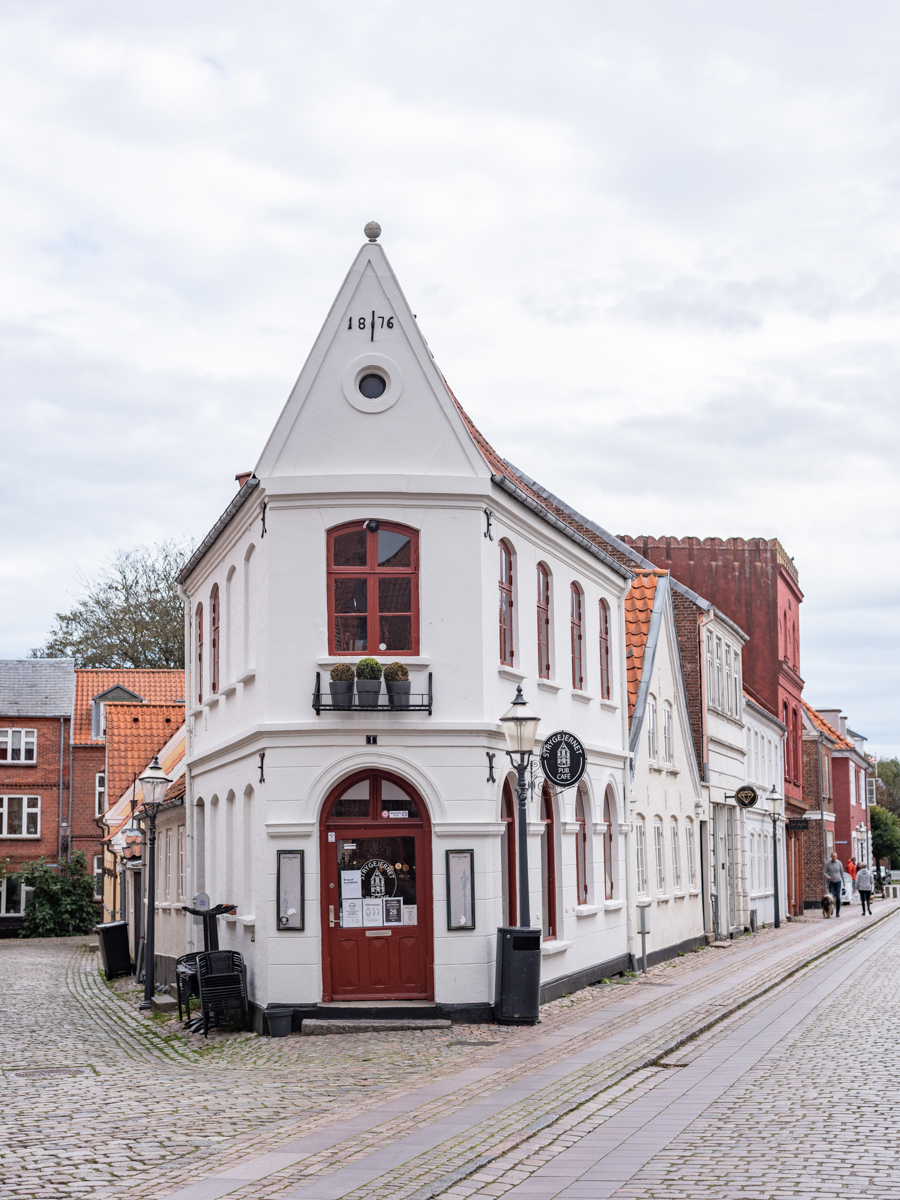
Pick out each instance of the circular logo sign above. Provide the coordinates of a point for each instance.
(378, 879)
(563, 759)
(746, 796)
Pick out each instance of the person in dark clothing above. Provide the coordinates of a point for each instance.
(834, 877)
(865, 881)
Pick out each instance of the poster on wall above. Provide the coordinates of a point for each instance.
(351, 885)
(351, 914)
(410, 916)
(393, 910)
(290, 890)
(373, 912)
(460, 889)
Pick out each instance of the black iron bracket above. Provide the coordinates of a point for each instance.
(489, 519)
(262, 513)
(262, 766)
(490, 757)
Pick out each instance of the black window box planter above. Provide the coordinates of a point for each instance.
(415, 702)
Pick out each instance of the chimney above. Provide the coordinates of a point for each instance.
(833, 717)
(843, 726)
(242, 478)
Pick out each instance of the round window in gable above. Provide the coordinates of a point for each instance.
(372, 386)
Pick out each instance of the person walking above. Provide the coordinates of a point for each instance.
(865, 881)
(834, 877)
(852, 869)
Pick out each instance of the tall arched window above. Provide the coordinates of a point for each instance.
(605, 688)
(214, 641)
(577, 660)
(510, 890)
(198, 659)
(689, 853)
(640, 856)
(581, 849)
(660, 855)
(608, 863)
(548, 864)
(796, 749)
(668, 734)
(543, 621)
(676, 855)
(652, 748)
(373, 588)
(507, 649)
(788, 763)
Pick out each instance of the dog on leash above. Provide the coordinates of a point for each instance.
(827, 906)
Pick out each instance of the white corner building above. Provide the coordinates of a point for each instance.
(370, 850)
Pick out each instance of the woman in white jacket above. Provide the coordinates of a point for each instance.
(865, 881)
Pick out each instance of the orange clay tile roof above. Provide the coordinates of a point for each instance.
(171, 759)
(821, 724)
(638, 607)
(176, 790)
(153, 686)
(134, 733)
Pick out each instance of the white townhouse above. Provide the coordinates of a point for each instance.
(371, 851)
(668, 805)
(763, 741)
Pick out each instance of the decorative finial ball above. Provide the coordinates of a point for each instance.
(372, 231)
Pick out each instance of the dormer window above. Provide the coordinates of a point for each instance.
(98, 720)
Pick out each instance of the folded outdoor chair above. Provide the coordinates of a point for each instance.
(220, 974)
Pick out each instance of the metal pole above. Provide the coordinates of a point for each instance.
(149, 977)
(644, 932)
(522, 796)
(775, 852)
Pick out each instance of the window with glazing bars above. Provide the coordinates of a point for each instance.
(577, 665)
(214, 641)
(198, 622)
(605, 683)
(543, 621)
(18, 745)
(507, 650)
(373, 589)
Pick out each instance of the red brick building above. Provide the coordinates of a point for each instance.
(847, 768)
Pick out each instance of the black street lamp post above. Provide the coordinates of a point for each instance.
(520, 729)
(154, 783)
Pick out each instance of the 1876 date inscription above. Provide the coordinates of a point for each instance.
(372, 322)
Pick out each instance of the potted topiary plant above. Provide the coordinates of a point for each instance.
(368, 682)
(341, 685)
(396, 680)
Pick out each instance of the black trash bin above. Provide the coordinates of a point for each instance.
(114, 949)
(518, 994)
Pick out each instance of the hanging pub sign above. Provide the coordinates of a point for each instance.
(746, 796)
(563, 759)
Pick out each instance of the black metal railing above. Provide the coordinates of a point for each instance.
(379, 702)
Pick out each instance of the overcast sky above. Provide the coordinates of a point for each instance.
(654, 247)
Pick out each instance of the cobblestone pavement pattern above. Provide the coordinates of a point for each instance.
(156, 1113)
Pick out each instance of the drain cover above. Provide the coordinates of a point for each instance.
(474, 1044)
(47, 1072)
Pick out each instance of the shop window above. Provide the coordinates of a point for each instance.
(577, 659)
(548, 864)
(609, 865)
(605, 682)
(373, 589)
(18, 745)
(214, 641)
(543, 621)
(507, 649)
(198, 657)
(510, 881)
(581, 878)
(20, 816)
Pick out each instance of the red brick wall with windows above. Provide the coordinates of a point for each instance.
(813, 861)
(87, 762)
(40, 779)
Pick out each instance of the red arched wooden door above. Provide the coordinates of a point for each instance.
(377, 934)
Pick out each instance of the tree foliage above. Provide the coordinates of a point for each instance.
(887, 773)
(130, 614)
(62, 903)
(885, 836)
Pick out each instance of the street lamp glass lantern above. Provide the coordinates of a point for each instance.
(154, 783)
(520, 726)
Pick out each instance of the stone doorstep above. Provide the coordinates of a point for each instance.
(315, 1027)
(164, 1004)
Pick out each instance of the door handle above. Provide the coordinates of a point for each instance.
(331, 915)
(378, 933)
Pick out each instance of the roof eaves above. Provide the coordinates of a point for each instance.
(764, 712)
(219, 528)
(507, 485)
(728, 621)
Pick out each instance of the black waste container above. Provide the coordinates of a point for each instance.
(114, 948)
(518, 994)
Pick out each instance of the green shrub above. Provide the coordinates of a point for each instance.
(62, 903)
(396, 673)
(342, 672)
(368, 668)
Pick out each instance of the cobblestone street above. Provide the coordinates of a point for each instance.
(585, 1104)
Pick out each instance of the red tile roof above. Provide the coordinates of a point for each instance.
(821, 724)
(165, 686)
(638, 608)
(134, 733)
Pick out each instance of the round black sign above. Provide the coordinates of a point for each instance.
(746, 796)
(563, 759)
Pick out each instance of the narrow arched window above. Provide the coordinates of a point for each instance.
(543, 621)
(651, 729)
(605, 687)
(198, 624)
(507, 649)
(795, 723)
(577, 661)
(548, 864)
(676, 855)
(214, 642)
(581, 849)
(660, 855)
(373, 589)
(510, 888)
(785, 720)
(640, 856)
(668, 734)
(689, 854)
(608, 864)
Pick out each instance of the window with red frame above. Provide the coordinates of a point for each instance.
(577, 669)
(581, 850)
(796, 752)
(199, 626)
(214, 641)
(543, 621)
(506, 606)
(373, 589)
(605, 691)
(510, 881)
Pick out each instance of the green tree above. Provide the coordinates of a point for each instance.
(887, 772)
(62, 902)
(885, 836)
(130, 614)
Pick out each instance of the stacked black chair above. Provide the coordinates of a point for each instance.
(186, 982)
(223, 985)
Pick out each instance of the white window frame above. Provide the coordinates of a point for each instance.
(738, 691)
(30, 805)
(728, 678)
(168, 864)
(640, 856)
(98, 876)
(98, 720)
(24, 894)
(710, 670)
(676, 855)
(753, 870)
(100, 793)
(652, 747)
(689, 853)
(668, 739)
(659, 847)
(719, 686)
(27, 739)
(182, 863)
